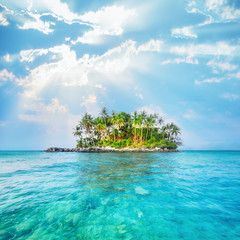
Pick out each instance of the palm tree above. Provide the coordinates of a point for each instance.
(165, 130)
(120, 120)
(87, 123)
(168, 130)
(148, 124)
(143, 116)
(134, 128)
(100, 126)
(135, 123)
(114, 121)
(77, 131)
(104, 114)
(175, 131)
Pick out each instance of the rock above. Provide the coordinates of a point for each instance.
(108, 149)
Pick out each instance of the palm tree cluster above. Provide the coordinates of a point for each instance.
(126, 130)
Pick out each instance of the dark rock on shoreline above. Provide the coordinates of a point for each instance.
(108, 149)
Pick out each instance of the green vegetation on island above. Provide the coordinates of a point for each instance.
(120, 130)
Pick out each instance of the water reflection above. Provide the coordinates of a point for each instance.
(121, 172)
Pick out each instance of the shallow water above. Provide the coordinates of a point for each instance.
(187, 195)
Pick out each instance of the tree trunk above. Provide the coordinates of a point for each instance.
(135, 134)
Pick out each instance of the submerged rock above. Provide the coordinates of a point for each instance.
(141, 191)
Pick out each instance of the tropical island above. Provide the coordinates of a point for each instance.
(124, 132)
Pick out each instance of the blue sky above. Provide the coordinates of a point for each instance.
(59, 59)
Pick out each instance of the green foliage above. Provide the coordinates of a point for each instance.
(79, 143)
(120, 130)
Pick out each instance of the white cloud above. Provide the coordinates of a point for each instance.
(36, 23)
(91, 104)
(214, 4)
(139, 95)
(237, 75)
(222, 9)
(6, 76)
(151, 46)
(41, 112)
(90, 37)
(223, 66)
(31, 54)
(7, 58)
(54, 106)
(191, 4)
(99, 86)
(54, 116)
(230, 96)
(109, 20)
(90, 99)
(220, 48)
(230, 13)
(57, 9)
(188, 60)
(3, 15)
(106, 21)
(3, 20)
(151, 109)
(67, 70)
(210, 80)
(184, 32)
(189, 114)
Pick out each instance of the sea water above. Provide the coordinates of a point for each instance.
(186, 195)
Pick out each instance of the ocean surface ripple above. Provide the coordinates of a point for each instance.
(186, 195)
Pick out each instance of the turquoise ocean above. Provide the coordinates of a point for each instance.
(187, 195)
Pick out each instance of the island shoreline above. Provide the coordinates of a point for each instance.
(109, 149)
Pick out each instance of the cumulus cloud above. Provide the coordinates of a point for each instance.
(151, 46)
(3, 20)
(6, 76)
(7, 58)
(31, 54)
(189, 114)
(40, 111)
(188, 60)
(90, 99)
(218, 49)
(223, 66)
(67, 70)
(100, 86)
(55, 116)
(91, 104)
(139, 95)
(236, 75)
(184, 32)
(230, 96)
(209, 80)
(152, 109)
(36, 23)
(4, 12)
(222, 9)
(106, 21)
